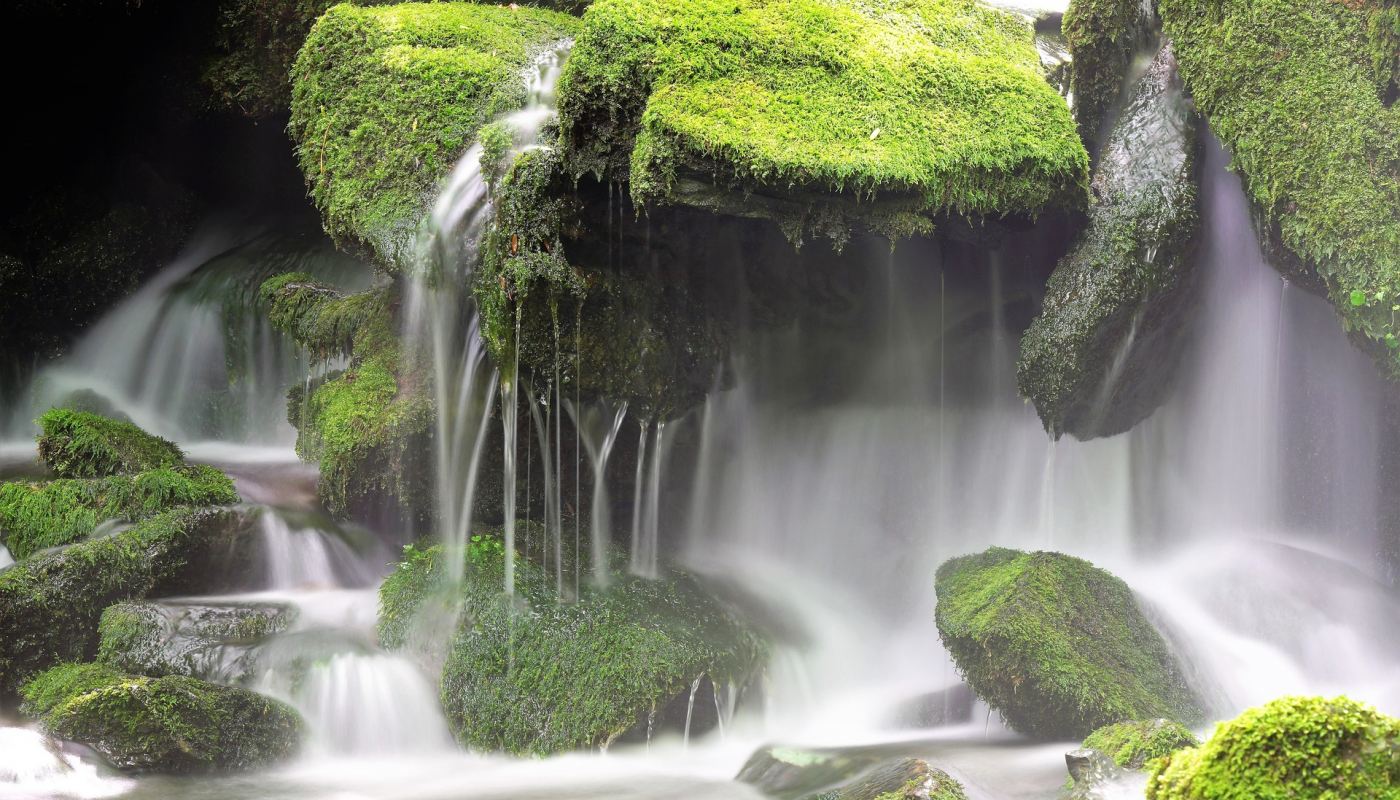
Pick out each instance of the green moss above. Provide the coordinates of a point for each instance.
(1102, 35)
(540, 676)
(385, 100)
(1294, 747)
(1132, 745)
(50, 603)
(1293, 89)
(75, 444)
(34, 516)
(932, 104)
(59, 684)
(1055, 644)
(170, 724)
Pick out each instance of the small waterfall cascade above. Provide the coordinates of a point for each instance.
(646, 501)
(34, 766)
(598, 424)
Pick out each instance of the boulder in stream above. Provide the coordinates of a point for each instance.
(1056, 645)
(1103, 353)
(208, 641)
(77, 444)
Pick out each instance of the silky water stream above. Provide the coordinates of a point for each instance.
(839, 469)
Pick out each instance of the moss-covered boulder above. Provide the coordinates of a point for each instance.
(1301, 93)
(536, 675)
(1102, 354)
(1132, 745)
(211, 642)
(1103, 36)
(76, 444)
(34, 516)
(171, 724)
(386, 99)
(1056, 645)
(1294, 747)
(51, 602)
(821, 115)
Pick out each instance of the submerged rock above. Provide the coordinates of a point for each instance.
(1056, 645)
(1132, 745)
(1296, 747)
(899, 779)
(1102, 354)
(209, 642)
(170, 724)
(76, 444)
(789, 773)
(1091, 772)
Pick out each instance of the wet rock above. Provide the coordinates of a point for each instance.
(216, 643)
(946, 707)
(1103, 353)
(901, 779)
(1132, 745)
(1056, 645)
(1091, 771)
(788, 773)
(1102, 36)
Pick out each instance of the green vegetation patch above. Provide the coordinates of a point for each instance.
(386, 99)
(34, 516)
(539, 676)
(936, 105)
(76, 444)
(170, 724)
(1132, 745)
(1055, 644)
(1297, 90)
(1293, 747)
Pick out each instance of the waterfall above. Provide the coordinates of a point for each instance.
(646, 502)
(598, 425)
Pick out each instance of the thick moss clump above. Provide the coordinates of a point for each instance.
(1294, 747)
(171, 724)
(50, 603)
(76, 444)
(1056, 645)
(208, 642)
(34, 516)
(1102, 354)
(1132, 745)
(1295, 89)
(1102, 36)
(540, 676)
(386, 99)
(911, 106)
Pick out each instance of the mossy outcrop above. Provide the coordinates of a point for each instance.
(1102, 36)
(1132, 745)
(196, 640)
(50, 603)
(386, 99)
(1056, 645)
(796, 110)
(170, 724)
(34, 516)
(76, 444)
(1302, 94)
(534, 675)
(1295, 747)
(1102, 354)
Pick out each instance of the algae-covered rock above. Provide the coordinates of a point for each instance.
(1102, 354)
(1301, 93)
(1102, 36)
(211, 642)
(34, 516)
(76, 444)
(1296, 747)
(1132, 745)
(1055, 644)
(795, 110)
(386, 99)
(170, 724)
(536, 675)
(50, 603)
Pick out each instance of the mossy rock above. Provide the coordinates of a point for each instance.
(170, 724)
(51, 602)
(1102, 36)
(76, 444)
(385, 100)
(211, 642)
(1293, 747)
(898, 779)
(1132, 745)
(1300, 92)
(822, 115)
(1056, 645)
(538, 676)
(1102, 354)
(34, 516)
(787, 773)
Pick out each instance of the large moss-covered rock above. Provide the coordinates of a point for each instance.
(1132, 745)
(1102, 354)
(77, 444)
(170, 724)
(34, 516)
(1056, 645)
(211, 642)
(1309, 748)
(1301, 93)
(820, 114)
(386, 99)
(51, 602)
(536, 675)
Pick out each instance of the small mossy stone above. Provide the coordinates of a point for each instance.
(1058, 646)
(204, 640)
(75, 444)
(1132, 745)
(1306, 748)
(788, 773)
(898, 779)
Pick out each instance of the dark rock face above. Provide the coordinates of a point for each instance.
(1103, 353)
(208, 642)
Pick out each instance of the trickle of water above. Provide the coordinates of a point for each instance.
(298, 557)
(598, 425)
